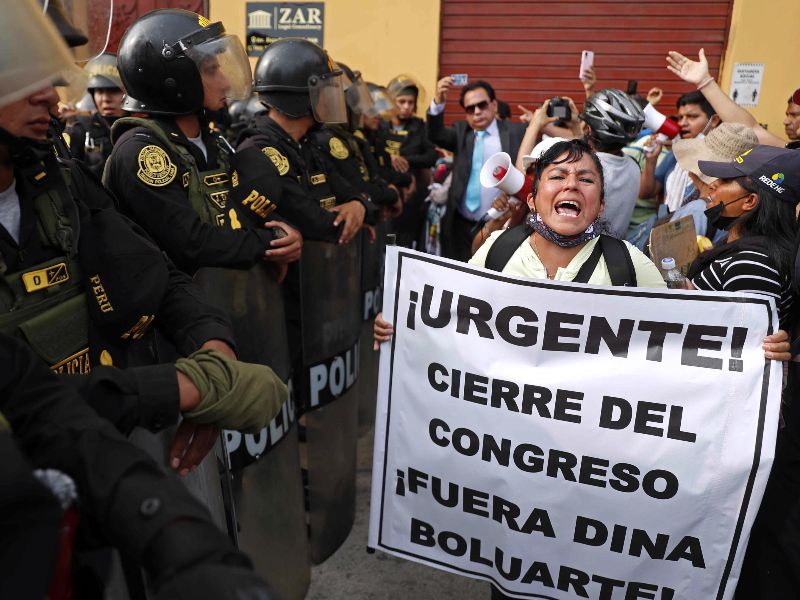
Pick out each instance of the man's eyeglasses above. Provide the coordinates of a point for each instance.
(482, 105)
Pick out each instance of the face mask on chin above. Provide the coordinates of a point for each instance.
(715, 218)
(536, 223)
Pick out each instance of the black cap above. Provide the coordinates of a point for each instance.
(777, 170)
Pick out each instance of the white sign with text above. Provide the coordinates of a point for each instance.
(571, 441)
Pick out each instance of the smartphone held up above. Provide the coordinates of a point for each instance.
(587, 62)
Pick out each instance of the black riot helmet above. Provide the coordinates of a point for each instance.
(103, 73)
(164, 56)
(298, 78)
(614, 117)
(242, 113)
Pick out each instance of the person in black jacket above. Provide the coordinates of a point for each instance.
(169, 173)
(349, 150)
(468, 201)
(404, 143)
(90, 136)
(309, 192)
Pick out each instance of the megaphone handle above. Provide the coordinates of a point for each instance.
(493, 213)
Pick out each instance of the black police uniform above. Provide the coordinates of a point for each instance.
(350, 154)
(309, 182)
(154, 185)
(381, 159)
(76, 253)
(124, 497)
(409, 140)
(90, 141)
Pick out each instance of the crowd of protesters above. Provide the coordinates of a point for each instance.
(207, 164)
(601, 181)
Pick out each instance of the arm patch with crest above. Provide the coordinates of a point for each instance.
(279, 160)
(338, 149)
(155, 167)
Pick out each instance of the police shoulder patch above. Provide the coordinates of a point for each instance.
(279, 160)
(155, 167)
(338, 149)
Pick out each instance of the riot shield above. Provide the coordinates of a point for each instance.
(267, 480)
(372, 255)
(204, 482)
(330, 288)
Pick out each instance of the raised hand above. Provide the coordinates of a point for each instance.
(689, 70)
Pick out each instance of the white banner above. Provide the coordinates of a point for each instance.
(571, 441)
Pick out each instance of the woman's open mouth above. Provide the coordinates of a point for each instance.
(568, 208)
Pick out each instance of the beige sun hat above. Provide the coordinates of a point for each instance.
(722, 144)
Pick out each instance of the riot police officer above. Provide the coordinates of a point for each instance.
(349, 150)
(301, 86)
(122, 494)
(90, 136)
(404, 141)
(81, 286)
(403, 137)
(384, 109)
(169, 173)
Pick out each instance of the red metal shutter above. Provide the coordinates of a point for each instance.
(127, 11)
(529, 51)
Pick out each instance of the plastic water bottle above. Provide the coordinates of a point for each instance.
(674, 278)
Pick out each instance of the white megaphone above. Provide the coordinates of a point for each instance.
(499, 172)
(659, 123)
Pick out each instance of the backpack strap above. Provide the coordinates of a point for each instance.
(588, 267)
(505, 245)
(618, 261)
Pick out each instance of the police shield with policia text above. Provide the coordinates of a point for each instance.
(302, 88)
(185, 185)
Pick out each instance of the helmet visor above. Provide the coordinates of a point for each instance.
(383, 105)
(224, 68)
(358, 98)
(26, 68)
(327, 97)
(405, 85)
(70, 83)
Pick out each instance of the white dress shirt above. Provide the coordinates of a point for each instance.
(491, 145)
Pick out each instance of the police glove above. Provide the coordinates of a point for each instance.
(233, 394)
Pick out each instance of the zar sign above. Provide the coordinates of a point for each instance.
(270, 21)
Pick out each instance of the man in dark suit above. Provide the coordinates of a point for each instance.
(471, 141)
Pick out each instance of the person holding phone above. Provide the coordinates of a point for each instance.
(472, 141)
